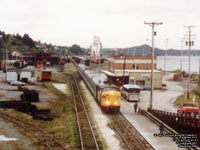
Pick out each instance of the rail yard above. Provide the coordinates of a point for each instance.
(78, 118)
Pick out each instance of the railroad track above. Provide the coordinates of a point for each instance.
(131, 138)
(46, 139)
(88, 140)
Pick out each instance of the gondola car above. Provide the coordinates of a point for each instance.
(107, 96)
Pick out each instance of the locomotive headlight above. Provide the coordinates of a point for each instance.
(115, 102)
(107, 102)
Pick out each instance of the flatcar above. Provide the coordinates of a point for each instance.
(107, 96)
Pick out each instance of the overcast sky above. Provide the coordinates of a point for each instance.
(119, 23)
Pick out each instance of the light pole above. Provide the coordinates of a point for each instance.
(152, 24)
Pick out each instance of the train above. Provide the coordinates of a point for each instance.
(107, 96)
(88, 59)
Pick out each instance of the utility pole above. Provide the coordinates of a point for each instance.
(100, 54)
(6, 61)
(165, 55)
(181, 64)
(152, 24)
(124, 68)
(143, 51)
(189, 43)
(199, 72)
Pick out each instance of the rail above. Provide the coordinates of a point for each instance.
(84, 124)
(130, 136)
(50, 142)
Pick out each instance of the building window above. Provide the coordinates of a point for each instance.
(140, 82)
(135, 66)
(146, 66)
(131, 81)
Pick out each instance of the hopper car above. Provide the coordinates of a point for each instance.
(107, 96)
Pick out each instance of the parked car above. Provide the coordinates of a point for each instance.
(147, 87)
(17, 83)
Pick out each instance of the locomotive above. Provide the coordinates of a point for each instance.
(107, 96)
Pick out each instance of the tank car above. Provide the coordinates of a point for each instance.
(107, 96)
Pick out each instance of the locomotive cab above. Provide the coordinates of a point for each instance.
(110, 99)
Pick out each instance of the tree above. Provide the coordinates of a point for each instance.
(28, 41)
(76, 49)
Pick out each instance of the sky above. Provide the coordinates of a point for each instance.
(118, 23)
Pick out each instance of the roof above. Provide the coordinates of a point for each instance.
(20, 70)
(131, 86)
(142, 71)
(113, 74)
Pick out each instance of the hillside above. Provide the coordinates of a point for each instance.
(26, 44)
(16, 43)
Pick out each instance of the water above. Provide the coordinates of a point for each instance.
(174, 63)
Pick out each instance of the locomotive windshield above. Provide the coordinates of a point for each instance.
(110, 88)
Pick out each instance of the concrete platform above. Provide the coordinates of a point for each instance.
(147, 128)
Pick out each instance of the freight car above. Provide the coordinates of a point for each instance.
(107, 96)
(46, 75)
(97, 60)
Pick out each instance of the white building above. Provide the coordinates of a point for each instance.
(96, 47)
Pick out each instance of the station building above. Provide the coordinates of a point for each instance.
(131, 63)
(137, 71)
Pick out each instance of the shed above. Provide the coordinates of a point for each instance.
(24, 75)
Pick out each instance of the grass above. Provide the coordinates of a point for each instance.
(64, 126)
(183, 100)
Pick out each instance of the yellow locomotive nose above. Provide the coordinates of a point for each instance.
(107, 102)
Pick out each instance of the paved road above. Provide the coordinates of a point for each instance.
(163, 99)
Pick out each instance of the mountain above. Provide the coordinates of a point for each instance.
(145, 50)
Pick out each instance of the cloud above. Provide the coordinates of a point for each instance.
(118, 22)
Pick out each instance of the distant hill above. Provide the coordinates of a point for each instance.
(145, 50)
